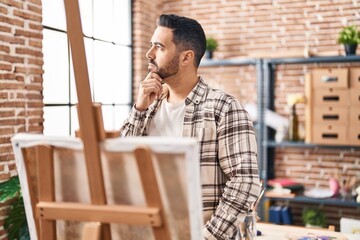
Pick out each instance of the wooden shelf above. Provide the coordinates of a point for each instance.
(307, 145)
(227, 62)
(336, 201)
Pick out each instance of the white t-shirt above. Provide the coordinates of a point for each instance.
(168, 120)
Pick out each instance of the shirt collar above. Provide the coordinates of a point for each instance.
(195, 96)
(198, 93)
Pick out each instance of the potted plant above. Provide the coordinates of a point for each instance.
(15, 220)
(350, 37)
(313, 217)
(211, 46)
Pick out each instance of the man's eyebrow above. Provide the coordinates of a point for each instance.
(157, 43)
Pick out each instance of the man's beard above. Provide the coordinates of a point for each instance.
(170, 69)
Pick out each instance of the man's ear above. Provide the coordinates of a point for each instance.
(187, 57)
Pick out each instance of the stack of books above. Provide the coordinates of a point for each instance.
(283, 188)
(280, 215)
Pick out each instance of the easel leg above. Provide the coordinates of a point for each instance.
(45, 163)
(91, 231)
(151, 189)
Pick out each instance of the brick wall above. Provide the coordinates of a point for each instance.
(21, 61)
(242, 27)
(145, 14)
(281, 26)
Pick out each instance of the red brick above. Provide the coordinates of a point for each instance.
(13, 3)
(38, 2)
(33, 26)
(3, 10)
(28, 16)
(37, 79)
(34, 87)
(22, 129)
(5, 29)
(36, 120)
(5, 140)
(5, 67)
(7, 76)
(35, 104)
(28, 51)
(19, 78)
(11, 21)
(35, 8)
(4, 176)
(11, 59)
(36, 129)
(11, 104)
(34, 96)
(38, 112)
(14, 121)
(10, 39)
(3, 158)
(29, 70)
(20, 95)
(6, 113)
(3, 95)
(30, 34)
(36, 61)
(6, 130)
(34, 43)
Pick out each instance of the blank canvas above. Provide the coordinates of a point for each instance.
(177, 168)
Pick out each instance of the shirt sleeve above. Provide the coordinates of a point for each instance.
(238, 159)
(134, 124)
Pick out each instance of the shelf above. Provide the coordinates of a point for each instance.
(265, 75)
(227, 62)
(307, 145)
(328, 201)
(252, 61)
(269, 145)
(333, 59)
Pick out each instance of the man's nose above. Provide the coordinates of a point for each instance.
(150, 54)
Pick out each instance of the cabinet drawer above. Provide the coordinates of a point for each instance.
(355, 97)
(354, 127)
(355, 77)
(329, 114)
(330, 134)
(331, 97)
(354, 137)
(354, 117)
(330, 78)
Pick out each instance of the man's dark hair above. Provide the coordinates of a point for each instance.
(187, 34)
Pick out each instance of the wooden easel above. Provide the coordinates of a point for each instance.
(99, 215)
(92, 132)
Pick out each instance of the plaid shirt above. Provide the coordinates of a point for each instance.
(228, 155)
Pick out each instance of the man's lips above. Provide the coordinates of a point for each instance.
(152, 65)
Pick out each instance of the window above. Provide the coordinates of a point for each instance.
(107, 36)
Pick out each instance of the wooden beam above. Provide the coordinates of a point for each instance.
(123, 214)
(151, 189)
(87, 119)
(46, 187)
(31, 172)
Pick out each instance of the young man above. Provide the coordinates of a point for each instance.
(174, 101)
